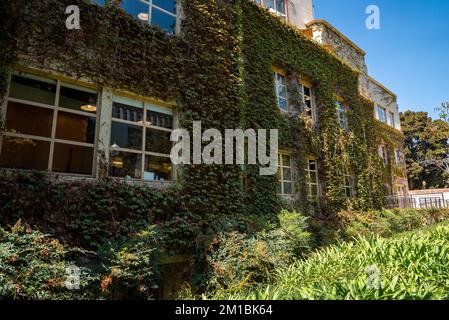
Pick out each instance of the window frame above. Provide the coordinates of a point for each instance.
(274, 10)
(312, 109)
(383, 154)
(349, 184)
(52, 140)
(309, 183)
(384, 112)
(146, 105)
(391, 120)
(281, 168)
(151, 7)
(342, 114)
(278, 75)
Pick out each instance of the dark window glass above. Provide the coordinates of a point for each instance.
(126, 112)
(22, 118)
(77, 100)
(287, 188)
(22, 153)
(33, 90)
(287, 174)
(169, 5)
(159, 119)
(163, 20)
(157, 169)
(158, 141)
(125, 165)
(75, 127)
(72, 159)
(126, 136)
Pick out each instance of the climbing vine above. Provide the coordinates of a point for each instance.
(220, 72)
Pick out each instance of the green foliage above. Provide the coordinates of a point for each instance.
(411, 267)
(238, 259)
(33, 266)
(388, 222)
(426, 149)
(86, 213)
(132, 267)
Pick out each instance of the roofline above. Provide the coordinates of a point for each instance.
(327, 24)
(382, 86)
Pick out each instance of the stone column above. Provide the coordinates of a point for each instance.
(104, 132)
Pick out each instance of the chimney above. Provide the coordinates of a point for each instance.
(300, 12)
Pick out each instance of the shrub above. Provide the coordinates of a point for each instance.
(386, 223)
(132, 267)
(413, 266)
(239, 259)
(33, 266)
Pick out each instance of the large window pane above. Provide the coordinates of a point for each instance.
(75, 127)
(72, 159)
(126, 136)
(78, 99)
(169, 5)
(163, 20)
(157, 169)
(23, 153)
(125, 165)
(127, 112)
(22, 118)
(137, 9)
(280, 6)
(158, 141)
(33, 89)
(269, 3)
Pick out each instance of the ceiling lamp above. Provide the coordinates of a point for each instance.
(89, 108)
(143, 16)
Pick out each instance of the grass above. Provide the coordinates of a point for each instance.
(411, 266)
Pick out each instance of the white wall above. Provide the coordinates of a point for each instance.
(300, 12)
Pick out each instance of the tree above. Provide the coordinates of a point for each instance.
(426, 148)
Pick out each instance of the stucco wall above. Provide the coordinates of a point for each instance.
(300, 12)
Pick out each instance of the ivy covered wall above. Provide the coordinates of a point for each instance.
(220, 72)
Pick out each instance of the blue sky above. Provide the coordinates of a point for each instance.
(409, 54)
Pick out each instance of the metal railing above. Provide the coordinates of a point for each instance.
(401, 202)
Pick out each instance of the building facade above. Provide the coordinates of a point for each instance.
(101, 101)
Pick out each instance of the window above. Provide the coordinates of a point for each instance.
(381, 113)
(307, 99)
(281, 91)
(285, 186)
(400, 190)
(140, 140)
(342, 116)
(161, 13)
(391, 119)
(50, 125)
(383, 154)
(312, 178)
(276, 6)
(349, 185)
(398, 156)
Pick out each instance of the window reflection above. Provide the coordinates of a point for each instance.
(33, 88)
(26, 119)
(72, 159)
(23, 153)
(75, 127)
(125, 165)
(126, 136)
(158, 168)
